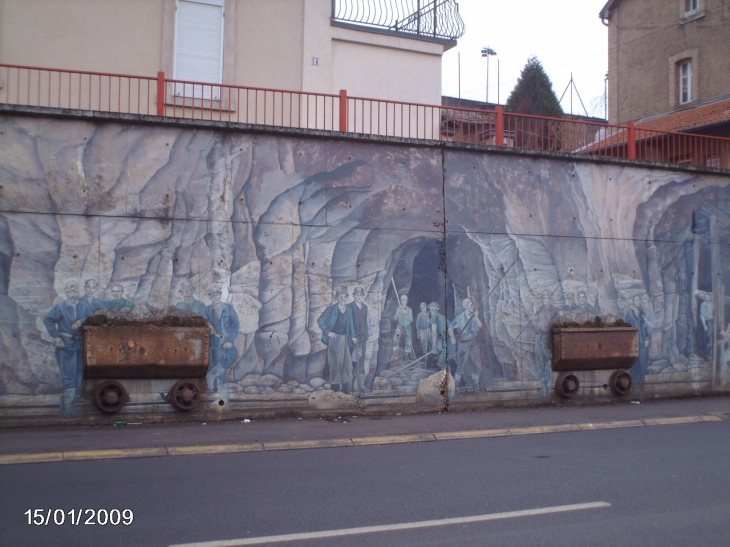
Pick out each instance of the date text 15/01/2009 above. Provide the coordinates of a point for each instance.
(77, 517)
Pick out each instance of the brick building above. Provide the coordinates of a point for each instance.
(668, 64)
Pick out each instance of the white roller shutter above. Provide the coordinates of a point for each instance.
(199, 47)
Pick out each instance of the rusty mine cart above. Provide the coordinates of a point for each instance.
(146, 351)
(594, 348)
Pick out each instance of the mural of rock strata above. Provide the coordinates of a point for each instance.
(344, 273)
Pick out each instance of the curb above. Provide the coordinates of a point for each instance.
(87, 455)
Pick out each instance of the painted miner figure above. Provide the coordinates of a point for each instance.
(707, 319)
(118, 302)
(423, 328)
(441, 344)
(224, 325)
(404, 320)
(464, 328)
(338, 334)
(542, 321)
(585, 307)
(570, 304)
(90, 289)
(360, 325)
(189, 302)
(636, 317)
(63, 324)
(725, 346)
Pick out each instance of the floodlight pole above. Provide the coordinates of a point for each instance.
(487, 52)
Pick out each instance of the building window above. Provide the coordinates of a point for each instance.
(685, 82)
(691, 7)
(199, 47)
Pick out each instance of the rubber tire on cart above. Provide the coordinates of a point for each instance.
(185, 395)
(620, 382)
(567, 385)
(110, 396)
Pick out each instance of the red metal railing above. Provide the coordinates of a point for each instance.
(682, 148)
(242, 104)
(79, 90)
(564, 135)
(393, 118)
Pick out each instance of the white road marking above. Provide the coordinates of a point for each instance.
(396, 527)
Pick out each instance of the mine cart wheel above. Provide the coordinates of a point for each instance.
(110, 396)
(620, 382)
(185, 395)
(567, 385)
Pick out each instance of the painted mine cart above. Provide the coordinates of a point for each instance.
(594, 348)
(146, 351)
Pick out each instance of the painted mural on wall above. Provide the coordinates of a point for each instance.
(357, 268)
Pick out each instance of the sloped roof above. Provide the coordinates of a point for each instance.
(693, 118)
(690, 120)
(610, 5)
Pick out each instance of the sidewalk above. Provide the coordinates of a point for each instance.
(78, 443)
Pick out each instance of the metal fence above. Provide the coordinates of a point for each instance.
(427, 18)
(242, 104)
(78, 90)
(160, 96)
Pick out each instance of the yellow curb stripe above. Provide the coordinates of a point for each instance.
(526, 430)
(560, 428)
(80, 455)
(544, 429)
(393, 439)
(611, 425)
(474, 434)
(11, 459)
(299, 445)
(214, 449)
(672, 421)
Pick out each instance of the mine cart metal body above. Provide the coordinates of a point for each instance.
(594, 348)
(146, 352)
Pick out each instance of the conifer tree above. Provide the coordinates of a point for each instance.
(534, 93)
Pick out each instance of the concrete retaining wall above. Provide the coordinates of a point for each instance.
(280, 223)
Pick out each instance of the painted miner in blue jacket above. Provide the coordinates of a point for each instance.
(223, 321)
(189, 302)
(360, 325)
(91, 287)
(118, 302)
(63, 323)
(338, 334)
(466, 327)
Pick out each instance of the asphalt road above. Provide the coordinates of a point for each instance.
(666, 485)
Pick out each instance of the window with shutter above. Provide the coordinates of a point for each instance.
(199, 47)
(685, 81)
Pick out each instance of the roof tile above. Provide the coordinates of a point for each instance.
(693, 118)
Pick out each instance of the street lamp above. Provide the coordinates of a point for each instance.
(486, 52)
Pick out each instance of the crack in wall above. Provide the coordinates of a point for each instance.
(444, 387)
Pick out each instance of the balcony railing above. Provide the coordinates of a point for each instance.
(164, 97)
(438, 19)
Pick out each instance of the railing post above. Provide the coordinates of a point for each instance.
(160, 93)
(343, 110)
(632, 141)
(499, 134)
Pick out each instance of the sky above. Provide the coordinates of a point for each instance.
(567, 36)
